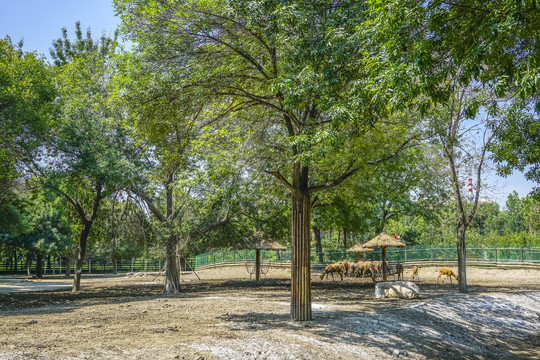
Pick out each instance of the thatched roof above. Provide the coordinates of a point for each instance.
(258, 241)
(383, 240)
(359, 248)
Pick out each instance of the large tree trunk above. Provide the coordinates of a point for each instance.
(114, 265)
(300, 264)
(172, 278)
(81, 253)
(344, 238)
(462, 259)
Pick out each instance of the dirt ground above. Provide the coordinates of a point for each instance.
(226, 316)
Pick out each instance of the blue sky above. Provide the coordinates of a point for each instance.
(39, 22)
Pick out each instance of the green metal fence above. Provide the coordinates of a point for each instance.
(410, 254)
(90, 266)
(239, 256)
(488, 255)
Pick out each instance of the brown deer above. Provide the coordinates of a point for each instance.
(415, 272)
(399, 272)
(338, 267)
(449, 273)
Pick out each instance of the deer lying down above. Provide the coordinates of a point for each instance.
(449, 273)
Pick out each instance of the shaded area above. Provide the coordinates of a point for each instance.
(248, 320)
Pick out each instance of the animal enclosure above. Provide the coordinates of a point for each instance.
(227, 316)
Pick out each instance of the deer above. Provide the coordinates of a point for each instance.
(353, 268)
(449, 273)
(377, 266)
(415, 272)
(399, 271)
(338, 267)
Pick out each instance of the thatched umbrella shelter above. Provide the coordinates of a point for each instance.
(383, 241)
(259, 242)
(359, 249)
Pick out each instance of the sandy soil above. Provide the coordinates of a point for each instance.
(227, 316)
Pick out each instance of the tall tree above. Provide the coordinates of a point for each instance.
(464, 143)
(296, 61)
(166, 121)
(88, 155)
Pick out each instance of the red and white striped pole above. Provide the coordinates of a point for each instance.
(469, 183)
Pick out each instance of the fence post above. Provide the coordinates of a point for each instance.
(89, 266)
(496, 256)
(405, 255)
(521, 254)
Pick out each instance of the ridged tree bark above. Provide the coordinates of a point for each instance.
(301, 262)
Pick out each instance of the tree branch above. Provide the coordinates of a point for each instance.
(400, 148)
(344, 175)
(280, 177)
(158, 214)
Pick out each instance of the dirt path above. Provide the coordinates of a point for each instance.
(12, 284)
(226, 316)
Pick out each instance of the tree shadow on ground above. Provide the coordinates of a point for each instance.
(418, 326)
(400, 332)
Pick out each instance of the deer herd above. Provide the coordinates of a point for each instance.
(373, 269)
